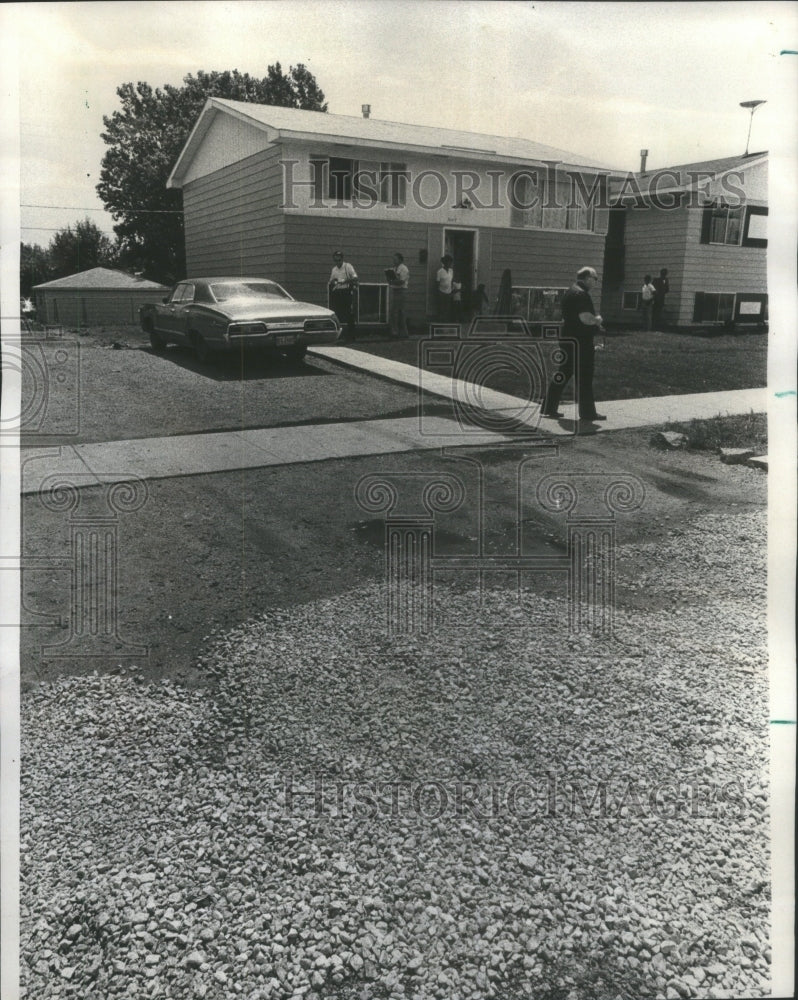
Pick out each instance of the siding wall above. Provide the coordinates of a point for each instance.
(544, 259)
(714, 268)
(534, 257)
(233, 221)
(368, 244)
(654, 239)
(93, 308)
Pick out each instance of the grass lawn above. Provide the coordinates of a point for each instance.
(635, 364)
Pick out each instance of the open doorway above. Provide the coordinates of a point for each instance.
(461, 245)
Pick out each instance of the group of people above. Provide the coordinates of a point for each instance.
(580, 321)
(343, 283)
(449, 291)
(652, 299)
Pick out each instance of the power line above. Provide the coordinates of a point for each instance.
(83, 208)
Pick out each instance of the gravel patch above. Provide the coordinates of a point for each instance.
(498, 810)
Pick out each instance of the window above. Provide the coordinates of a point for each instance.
(332, 177)
(393, 184)
(713, 307)
(532, 207)
(631, 301)
(341, 173)
(756, 227)
(722, 225)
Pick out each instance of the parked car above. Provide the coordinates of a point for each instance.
(227, 314)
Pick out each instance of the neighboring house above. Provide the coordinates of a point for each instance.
(707, 224)
(94, 297)
(273, 191)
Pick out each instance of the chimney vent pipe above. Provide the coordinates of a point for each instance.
(643, 158)
(366, 109)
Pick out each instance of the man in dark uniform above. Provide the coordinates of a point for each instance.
(580, 323)
(661, 288)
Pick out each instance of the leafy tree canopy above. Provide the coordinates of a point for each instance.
(34, 267)
(71, 250)
(85, 246)
(146, 137)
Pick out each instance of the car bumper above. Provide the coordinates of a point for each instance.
(280, 341)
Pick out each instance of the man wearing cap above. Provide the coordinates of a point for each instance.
(342, 284)
(580, 323)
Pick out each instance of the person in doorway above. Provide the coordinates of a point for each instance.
(661, 289)
(479, 301)
(445, 280)
(647, 293)
(342, 284)
(398, 279)
(580, 324)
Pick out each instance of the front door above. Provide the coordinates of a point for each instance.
(461, 244)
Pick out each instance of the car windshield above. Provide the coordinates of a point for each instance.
(223, 291)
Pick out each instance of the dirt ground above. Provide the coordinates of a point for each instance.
(205, 553)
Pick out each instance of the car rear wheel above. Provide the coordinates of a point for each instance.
(296, 353)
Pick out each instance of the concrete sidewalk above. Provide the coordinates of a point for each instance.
(621, 414)
(195, 454)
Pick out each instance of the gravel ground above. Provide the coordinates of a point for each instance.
(344, 814)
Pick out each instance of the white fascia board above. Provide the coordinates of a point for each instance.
(354, 145)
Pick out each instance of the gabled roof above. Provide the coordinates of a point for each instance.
(105, 279)
(371, 133)
(709, 169)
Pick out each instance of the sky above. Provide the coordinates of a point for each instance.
(599, 79)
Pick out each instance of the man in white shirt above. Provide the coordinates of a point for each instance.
(445, 279)
(647, 294)
(342, 284)
(399, 278)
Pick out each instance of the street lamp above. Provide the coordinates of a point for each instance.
(753, 105)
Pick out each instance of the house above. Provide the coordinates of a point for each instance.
(94, 297)
(707, 224)
(273, 191)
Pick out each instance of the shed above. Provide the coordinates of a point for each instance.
(272, 191)
(706, 223)
(94, 297)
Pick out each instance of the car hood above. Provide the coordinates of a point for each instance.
(266, 309)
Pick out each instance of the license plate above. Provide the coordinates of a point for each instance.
(285, 340)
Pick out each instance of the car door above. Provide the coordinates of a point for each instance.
(182, 311)
(167, 313)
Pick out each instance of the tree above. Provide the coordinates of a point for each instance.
(78, 249)
(146, 137)
(34, 267)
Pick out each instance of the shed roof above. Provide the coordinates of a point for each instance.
(103, 279)
(371, 133)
